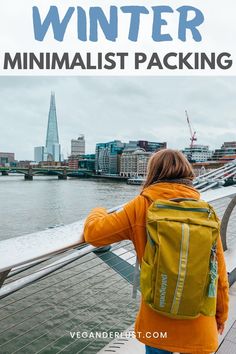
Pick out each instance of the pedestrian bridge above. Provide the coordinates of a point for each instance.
(56, 291)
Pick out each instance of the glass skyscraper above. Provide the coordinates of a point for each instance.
(52, 150)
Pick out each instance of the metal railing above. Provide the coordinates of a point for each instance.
(27, 251)
(72, 287)
(216, 177)
(30, 250)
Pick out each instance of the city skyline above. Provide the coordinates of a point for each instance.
(116, 109)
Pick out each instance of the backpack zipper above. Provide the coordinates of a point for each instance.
(198, 210)
(210, 213)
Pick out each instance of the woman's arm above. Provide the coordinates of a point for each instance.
(102, 229)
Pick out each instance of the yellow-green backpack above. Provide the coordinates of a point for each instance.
(179, 274)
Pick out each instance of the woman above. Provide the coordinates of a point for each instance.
(169, 176)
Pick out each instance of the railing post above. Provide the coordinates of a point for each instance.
(225, 221)
(3, 276)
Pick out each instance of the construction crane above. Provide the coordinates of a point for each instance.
(193, 136)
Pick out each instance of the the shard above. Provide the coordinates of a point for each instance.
(53, 149)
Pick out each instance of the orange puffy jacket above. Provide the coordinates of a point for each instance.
(197, 335)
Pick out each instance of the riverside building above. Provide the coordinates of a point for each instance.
(198, 153)
(108, 156)
(82, 162)
(77, 152)
(87, 162)
(134, 163)
(73, 162)
(6, 158)
(227, 149)
(151, 146)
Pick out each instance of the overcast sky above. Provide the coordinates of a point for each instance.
(106, 108)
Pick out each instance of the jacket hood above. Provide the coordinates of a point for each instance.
(167, 190)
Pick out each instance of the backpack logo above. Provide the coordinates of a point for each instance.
(163, 290)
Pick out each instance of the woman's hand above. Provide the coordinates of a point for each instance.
(220, 328)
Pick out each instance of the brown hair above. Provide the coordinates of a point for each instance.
(168, 164)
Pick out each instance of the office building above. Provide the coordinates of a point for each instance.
(198, 153)
(6, 158)
(78, 146)
(39, 154)
(134, 163)
(151, 146)
(227, 149)
(73, 162)
(108, 155)
(87, 162)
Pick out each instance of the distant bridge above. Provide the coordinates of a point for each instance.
(61, 172)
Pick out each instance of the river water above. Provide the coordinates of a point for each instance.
(29, 206)
(39, 318)
(84, 296)
(45, 202)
